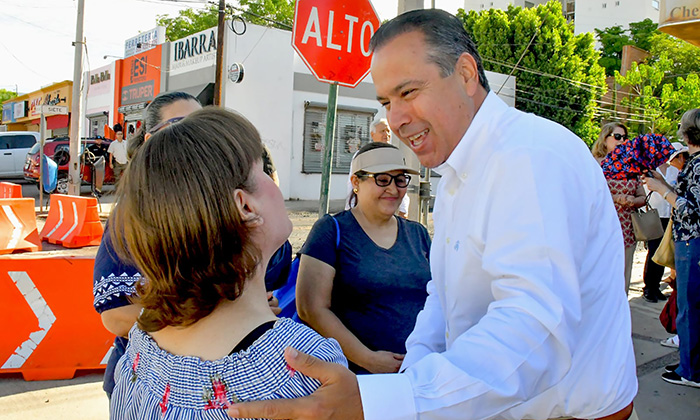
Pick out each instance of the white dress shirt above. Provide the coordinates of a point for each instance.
(527, 316)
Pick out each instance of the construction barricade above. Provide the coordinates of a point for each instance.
(18, 230)
(10, 190)
(49, 327)
(72, 222)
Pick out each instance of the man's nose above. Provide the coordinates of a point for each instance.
(398, 115)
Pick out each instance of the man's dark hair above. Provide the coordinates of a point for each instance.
(444, 34)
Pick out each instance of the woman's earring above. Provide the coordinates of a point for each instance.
(354, 190)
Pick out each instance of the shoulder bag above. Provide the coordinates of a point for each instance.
(646, 223)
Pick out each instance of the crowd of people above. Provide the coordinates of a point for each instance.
(516, 309)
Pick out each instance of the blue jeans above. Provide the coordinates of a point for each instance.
(688, 319)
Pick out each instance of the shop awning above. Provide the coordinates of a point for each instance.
(204, 92)
(681, 18)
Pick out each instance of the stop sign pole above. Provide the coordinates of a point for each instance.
(332, 37)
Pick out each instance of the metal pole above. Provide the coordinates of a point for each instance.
(219, 54)
(75, 120)
(329, 142)
(42, 135)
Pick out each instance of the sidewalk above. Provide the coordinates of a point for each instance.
(82, 398)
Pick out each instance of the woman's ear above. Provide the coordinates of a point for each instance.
(355, 181)
(146, 137)
(247, 208)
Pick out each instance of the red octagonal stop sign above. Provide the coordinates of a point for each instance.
(332, 37)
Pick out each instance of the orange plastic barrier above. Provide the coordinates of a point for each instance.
(18, 226)
(72, 222)
(10, 190)
(49, 327)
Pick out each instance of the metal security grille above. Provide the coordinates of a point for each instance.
(351, 133)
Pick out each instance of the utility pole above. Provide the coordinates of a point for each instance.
(220, 54)
(75, 119)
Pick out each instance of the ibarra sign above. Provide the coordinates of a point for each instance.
(332, 37)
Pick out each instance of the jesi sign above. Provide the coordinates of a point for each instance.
(332, 37)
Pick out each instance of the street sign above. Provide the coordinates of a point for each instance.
(54, 110)
(332, 37)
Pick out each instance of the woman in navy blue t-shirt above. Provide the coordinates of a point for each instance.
(367, 292)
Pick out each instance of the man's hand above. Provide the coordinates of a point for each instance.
(338, 397)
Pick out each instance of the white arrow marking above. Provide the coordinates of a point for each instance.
(42, 312)
(60, 219)
(16, 227)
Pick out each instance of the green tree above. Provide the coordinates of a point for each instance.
(658, 99)
(612, 40)
(276, 13)
(642, 32)
(558, 76)
(188, 22)
(685, 56)
(6, 94)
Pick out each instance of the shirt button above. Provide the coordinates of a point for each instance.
(464, 175)
(447, 240)
(447, 334)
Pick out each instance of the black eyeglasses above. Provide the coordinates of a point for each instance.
(164, 124)
(384, 180)
(619, 136)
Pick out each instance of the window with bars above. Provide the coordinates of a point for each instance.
(351, 133)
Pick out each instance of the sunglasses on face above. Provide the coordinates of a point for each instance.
(165, 124)
(384, 180)
(619, 136)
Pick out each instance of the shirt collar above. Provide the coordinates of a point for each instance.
(473, 139)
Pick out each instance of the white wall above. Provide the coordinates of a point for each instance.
(590, 14)
(98, 97)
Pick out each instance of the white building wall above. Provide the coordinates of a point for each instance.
(601, 14)
(98, 97)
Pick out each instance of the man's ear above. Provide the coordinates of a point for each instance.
(469, 73)
(247, 208)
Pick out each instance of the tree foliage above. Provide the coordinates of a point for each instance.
(655, 99)
(6, 94)
(614, 38)
(274, 13)
(558, 77)
(188, 22)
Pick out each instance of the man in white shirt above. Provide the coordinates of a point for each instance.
(379, 133)
(117, 154)
(526, 316)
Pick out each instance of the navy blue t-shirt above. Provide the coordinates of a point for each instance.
(377, 292)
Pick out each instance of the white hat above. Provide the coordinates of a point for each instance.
(679, 149)
(382, 159)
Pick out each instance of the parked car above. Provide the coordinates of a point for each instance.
(58, 149)
(14, 146)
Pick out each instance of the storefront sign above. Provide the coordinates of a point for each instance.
(140, 78)
(139, 92)
(681, 18)
(144, 41)
(99, 77)
(52, 97)
(193, 52)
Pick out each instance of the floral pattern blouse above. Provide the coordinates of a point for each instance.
(686, 216)
(624, 213)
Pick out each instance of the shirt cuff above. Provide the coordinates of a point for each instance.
(387, 397)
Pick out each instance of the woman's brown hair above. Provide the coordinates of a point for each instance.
(177, 219)
(599, 149)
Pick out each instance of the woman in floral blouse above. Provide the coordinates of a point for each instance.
(685, 199)
(628, 194)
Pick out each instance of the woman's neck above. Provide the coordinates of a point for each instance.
(215, 335)
(692, 149)
(372, 218)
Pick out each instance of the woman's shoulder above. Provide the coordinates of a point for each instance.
(411, 225)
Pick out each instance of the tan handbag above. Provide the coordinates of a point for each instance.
(665, 253)
(646, 223)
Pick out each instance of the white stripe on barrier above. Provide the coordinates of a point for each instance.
(75, 222)
(60, 218)
(17, 227)
(42, 312)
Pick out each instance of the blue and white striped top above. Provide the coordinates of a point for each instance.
(154, 384)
